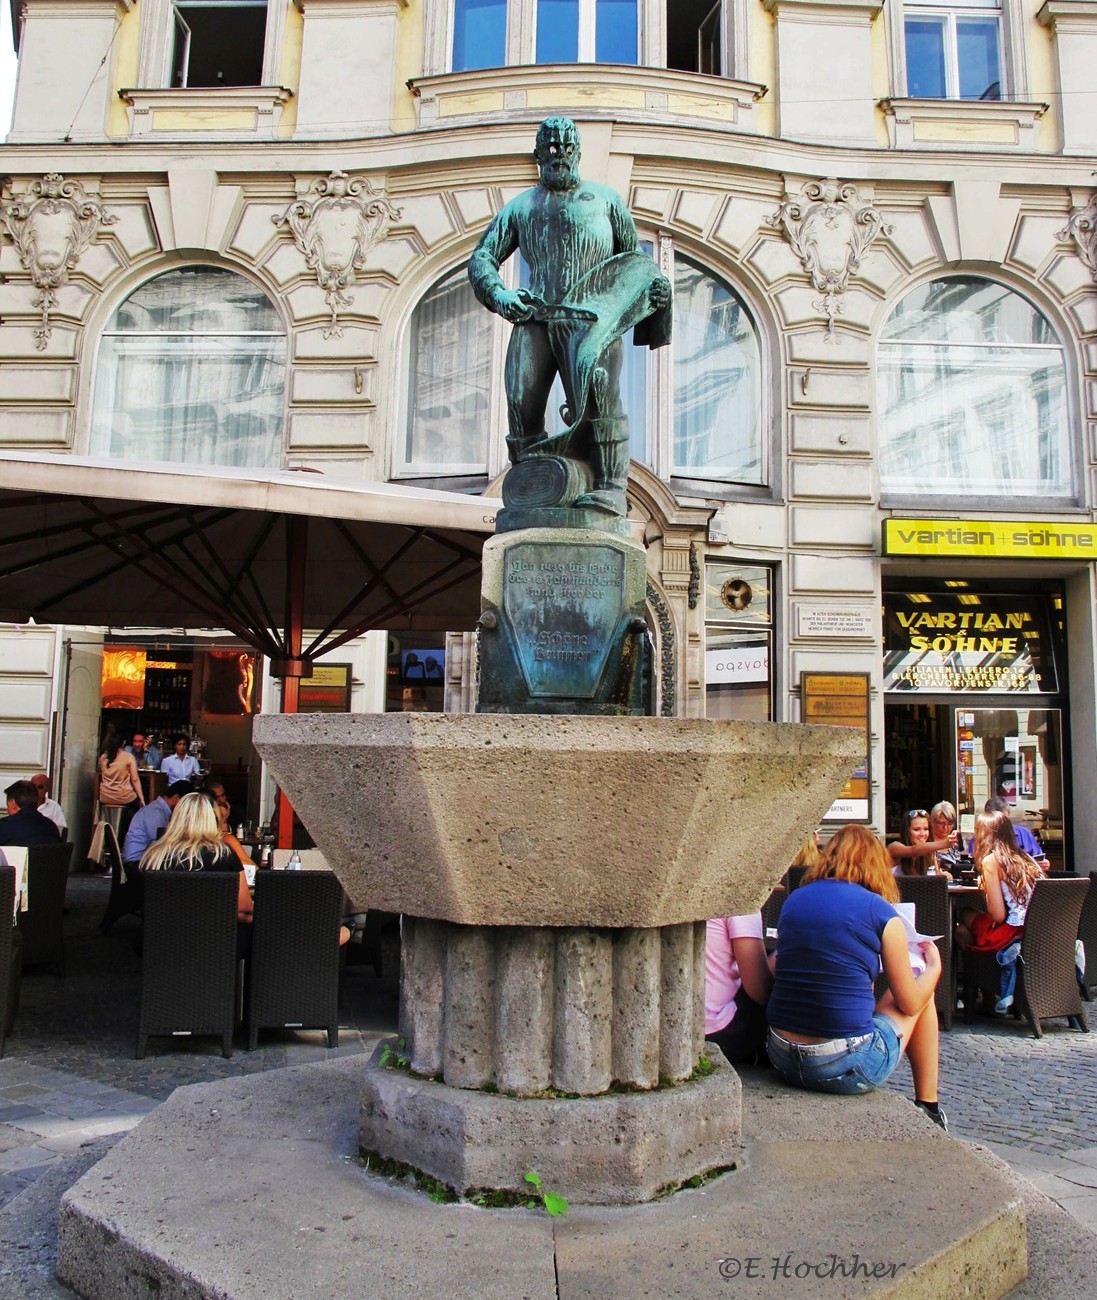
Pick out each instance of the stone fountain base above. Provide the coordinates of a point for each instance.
(614, 1149)
(250, 1189)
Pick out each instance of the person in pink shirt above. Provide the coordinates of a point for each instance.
(738, 979)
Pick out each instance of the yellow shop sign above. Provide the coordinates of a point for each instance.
(1013, 538)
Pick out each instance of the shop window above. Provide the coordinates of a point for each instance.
(191, 369)
(694, 408)
(218, 43)
(739, 642)
(953, 51)
(972, 397)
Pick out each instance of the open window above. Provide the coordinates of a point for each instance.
(698, 39)
(218, 43)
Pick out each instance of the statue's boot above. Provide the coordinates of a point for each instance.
(609, 463)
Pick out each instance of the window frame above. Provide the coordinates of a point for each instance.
(96, 337)
(156, 45)
(521, 47)
(660, 413)
(1012, 46)
(898, 496)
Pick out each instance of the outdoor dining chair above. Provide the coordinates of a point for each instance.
(293, 972)
(933, 915)
(188, 975)
(42, 925)
(1087, 932)
(9, 967)
(1047, 986)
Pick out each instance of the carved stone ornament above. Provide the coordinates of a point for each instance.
(51, 224)
(830, 230)
(1082, 228)
(335, 224)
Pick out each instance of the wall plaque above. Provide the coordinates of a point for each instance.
(842, 700)
(840, 622)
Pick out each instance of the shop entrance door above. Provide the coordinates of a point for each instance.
(918, 762)
(1015, 754)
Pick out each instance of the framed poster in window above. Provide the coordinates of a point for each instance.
(841, 700)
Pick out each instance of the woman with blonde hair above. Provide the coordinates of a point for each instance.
(192, 842)
(828, 1032)
(1006, 876)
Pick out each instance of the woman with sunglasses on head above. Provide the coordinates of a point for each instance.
(828, 1032)
(916, 853)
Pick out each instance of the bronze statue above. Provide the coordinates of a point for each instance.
(588, 285)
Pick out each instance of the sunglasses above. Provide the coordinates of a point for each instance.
(916, 812)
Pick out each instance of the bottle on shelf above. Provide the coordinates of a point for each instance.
(294, 863)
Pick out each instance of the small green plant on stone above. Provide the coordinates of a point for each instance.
(703, 1068)
(553, 1204)
(393, 1058)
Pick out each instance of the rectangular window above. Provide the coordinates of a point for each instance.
(479, 34)
(218, 43)
(738, 642)
(953, 53)
(587, 31)
(697, 37)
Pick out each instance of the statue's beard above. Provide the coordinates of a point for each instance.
(561, 175)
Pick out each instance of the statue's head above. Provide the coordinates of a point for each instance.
(557, 153)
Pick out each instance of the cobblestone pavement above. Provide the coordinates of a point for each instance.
(69, 1080)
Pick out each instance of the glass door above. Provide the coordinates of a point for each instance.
(1014, 754)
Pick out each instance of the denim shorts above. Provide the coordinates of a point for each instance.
(845, 1066)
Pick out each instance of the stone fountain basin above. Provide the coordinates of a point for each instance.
(490, 819)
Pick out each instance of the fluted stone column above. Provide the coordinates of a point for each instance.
(569, 1009)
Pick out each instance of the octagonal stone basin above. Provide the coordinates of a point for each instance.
(489, 819)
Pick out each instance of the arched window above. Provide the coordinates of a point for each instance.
(701, 420)
(450, 383)
(192, 370)
(972, 396)
(717, 381)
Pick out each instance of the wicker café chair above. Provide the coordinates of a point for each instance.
(9, 967)
(933, 915)
(42, 925)
(188, 977)
(795, 877)
(1087, 932)
(1047, 986)
(293, 973)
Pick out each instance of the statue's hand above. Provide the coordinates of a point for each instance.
(659, 294)
(515, 305)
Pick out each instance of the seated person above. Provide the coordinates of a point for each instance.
(737, 984)
(192, 843)
(181, 766)
(24, 825)
(49, 807)
(144, 754)
(1026, 841)
(913, 855)
(827, 1031)
(1007, 877)
(148, 824)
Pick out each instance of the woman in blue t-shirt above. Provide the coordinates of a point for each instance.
(828, 1032)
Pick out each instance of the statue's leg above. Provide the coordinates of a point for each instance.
(609, 437)
(530, 370)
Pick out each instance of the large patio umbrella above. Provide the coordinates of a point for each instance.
(263, 554)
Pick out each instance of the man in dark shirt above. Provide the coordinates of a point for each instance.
(24, 825)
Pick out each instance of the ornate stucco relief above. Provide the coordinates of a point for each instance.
(830, 229)
(51, 224)
(334, 225)
(1081, 227)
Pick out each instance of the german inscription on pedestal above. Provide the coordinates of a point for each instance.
(562, 604)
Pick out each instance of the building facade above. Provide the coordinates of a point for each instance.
(236, 235)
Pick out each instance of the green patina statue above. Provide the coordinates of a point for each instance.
(588, 285)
